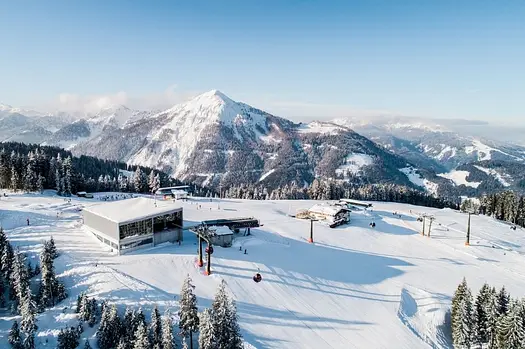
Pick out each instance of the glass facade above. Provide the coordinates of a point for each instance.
(135, 229)
(168, 221)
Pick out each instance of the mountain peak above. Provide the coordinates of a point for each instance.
(213, 96)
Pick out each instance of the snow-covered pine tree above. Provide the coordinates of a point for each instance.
(155, 327)
(480, 316)
(67, 170)
(85, 308)
(14, 338)
(463, 321)
(458, 296)
(40, 183)
(234, 329)
(20, 279)
(503, 301)
(184, 343)
(128, 330)
(15, 179)
(492, 318)
(7, 268)
(151, 182)
(30, 177)
(104, 336)
(206, 330)
(141, 338)
(511, 327)
(93, 310)
(51, 248)
(138, 180)
(167, 339)
(58, 181)
(115, 325)
(156, 183)
(225, 327)
(80, 298)
(67, 339)
(138, 319)
(28, 322)
(47, 282)
(188, 312)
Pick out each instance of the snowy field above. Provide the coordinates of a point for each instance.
(355, 287)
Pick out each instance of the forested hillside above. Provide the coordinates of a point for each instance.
(34, 168)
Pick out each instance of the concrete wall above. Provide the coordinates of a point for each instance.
(223, 240)
(103, 225)
(171, 235)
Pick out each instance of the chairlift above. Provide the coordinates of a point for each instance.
(209, 249)
(257, 277)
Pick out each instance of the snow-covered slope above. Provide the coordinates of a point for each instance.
(355, 287)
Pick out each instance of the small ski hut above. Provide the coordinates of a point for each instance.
(334, 215)
(221, 236)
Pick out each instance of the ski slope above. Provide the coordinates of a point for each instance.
(355, 287)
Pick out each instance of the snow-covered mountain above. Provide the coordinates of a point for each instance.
(93, 125)
(214, 140)
(27, 126)
(441, 145)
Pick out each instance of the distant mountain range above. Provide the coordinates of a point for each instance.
(215, 141)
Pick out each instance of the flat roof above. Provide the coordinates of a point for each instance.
(131, 210)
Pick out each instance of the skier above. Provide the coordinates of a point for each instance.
(245, 251)
(27, 221)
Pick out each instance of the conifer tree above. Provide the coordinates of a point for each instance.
(80, 299)
(14, 338)
(503, 301)
(481, 317)
(188, 313)
(463, 320)
(167, 339)
(511, 328)
(156, 327)
(206, 330)
(28, 322)
(20, 279)
(128, 329)
(141, 338)
(225, 327)
(458, 296)
(234, 330)
(104, 336)
(492, 318)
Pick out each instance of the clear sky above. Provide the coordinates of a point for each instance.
(436, 58)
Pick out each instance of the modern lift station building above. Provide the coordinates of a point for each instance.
(127, 225)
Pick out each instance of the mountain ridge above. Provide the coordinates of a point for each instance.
(213, 140)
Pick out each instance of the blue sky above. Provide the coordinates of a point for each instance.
(297, 58)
